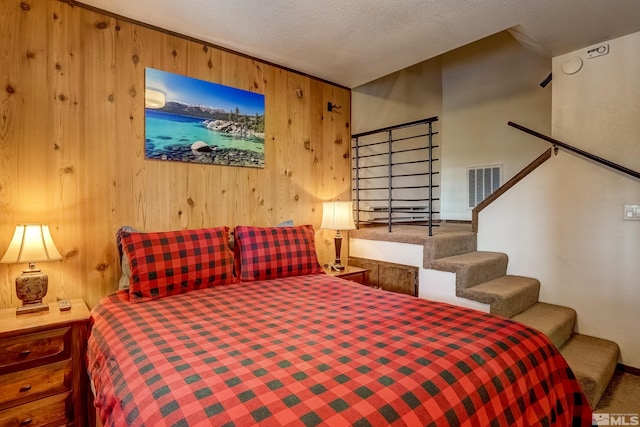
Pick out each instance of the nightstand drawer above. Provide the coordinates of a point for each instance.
(350, 273)
(355, 277)
(30, 384)
(51, 411)
(31, 348)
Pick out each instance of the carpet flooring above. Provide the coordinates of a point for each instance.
(622, 396)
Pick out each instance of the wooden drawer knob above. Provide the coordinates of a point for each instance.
(25, 422)
(25, 388)
(25, 353)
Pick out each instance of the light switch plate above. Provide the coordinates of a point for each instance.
(632, 212)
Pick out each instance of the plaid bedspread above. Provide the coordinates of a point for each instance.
(315, 350)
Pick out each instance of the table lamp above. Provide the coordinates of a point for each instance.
(31, 243)
(337, 216)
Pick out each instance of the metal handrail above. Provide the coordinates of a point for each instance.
(583, 153)
(359, 153)
(396, 127)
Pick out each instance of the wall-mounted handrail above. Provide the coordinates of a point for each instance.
(583, 153)
(507, 185)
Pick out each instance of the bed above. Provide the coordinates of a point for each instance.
(269, 344)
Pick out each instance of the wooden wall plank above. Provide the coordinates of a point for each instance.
(100, 146)
(64, 67)
(11, 25)
(72, 143)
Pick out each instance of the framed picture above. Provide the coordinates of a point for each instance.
(192, 120)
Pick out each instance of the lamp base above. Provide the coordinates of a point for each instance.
(32, 308)
(337, 241)
(336, 266)
(31, 288)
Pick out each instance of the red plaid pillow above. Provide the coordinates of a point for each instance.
(272, 252)
(174, 262)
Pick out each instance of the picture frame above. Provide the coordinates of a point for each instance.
(197, 121)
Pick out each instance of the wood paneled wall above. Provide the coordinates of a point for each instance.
(72, 143)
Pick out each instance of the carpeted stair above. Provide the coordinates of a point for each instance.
(507, 295)
(590, 359)
(481, 276)
(555, 321)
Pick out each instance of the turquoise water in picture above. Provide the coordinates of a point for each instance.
(164, 129)
(170, 137)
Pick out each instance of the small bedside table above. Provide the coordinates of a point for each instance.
(42, 369)
(353, 274)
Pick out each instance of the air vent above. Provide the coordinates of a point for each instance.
(482, 181)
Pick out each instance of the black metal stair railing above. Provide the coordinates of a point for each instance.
(576, 150)
(393, 175)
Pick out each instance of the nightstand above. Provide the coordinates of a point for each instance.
(42, 369)
(353, 274)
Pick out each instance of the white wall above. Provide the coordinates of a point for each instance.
(563, 224)
(485, 85)
(411, 94)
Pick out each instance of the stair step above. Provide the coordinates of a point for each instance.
(593, 361)
(473, 268)
(555, 321)
(507, 295)
(449, 244)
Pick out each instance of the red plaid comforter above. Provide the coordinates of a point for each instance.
(315, 350)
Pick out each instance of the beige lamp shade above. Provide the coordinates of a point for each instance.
(31, 243)
(337, 215)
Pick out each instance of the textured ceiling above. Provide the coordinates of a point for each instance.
(351, 42)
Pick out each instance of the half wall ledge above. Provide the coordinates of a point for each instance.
(449, 238)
